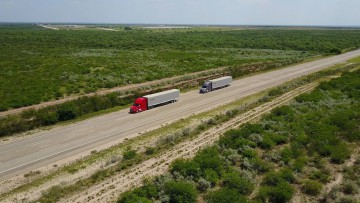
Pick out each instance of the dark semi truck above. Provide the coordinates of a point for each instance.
(214, 84)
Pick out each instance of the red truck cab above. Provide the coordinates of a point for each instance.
(139, 105)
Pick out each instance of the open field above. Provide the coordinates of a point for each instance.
(39, 64)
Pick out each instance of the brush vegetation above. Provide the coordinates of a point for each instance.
(39, 65)
(293, 148)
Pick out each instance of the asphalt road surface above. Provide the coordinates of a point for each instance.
(48, 146)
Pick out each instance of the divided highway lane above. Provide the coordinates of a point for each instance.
(46, 147)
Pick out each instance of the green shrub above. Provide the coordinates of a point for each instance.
(267, 143)
(287, 175)
(299, 164)
(211, 176)
(282, 192)
(320, 175)
(233, 180)
(350, 188)
(314, 96)
(347, 199)
(225, 195)
(209, 158)
(340, 153)
(249, 153)
(67, 112)
(149, 151)
(335, 51)
(275, 92)
(129, 154)
(186, 168)
(143, 194)
(272, 179)
(286, 155)
(203, 185)
(260, 165)
(311, 187)
(47, 118)
(129, 197)
(180, 192)
(284, 111)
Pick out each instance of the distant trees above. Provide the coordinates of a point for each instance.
(127, 28)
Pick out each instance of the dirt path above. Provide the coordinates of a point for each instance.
(339, 176)
(337, 180)
(105, 91)
(108, 190)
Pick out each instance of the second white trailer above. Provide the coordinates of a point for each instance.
(214, 84)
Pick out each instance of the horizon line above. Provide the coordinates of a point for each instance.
(182, 24)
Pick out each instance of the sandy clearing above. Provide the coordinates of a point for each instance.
(48, 27)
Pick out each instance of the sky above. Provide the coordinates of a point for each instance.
(225, 12)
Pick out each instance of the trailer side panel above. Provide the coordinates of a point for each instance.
(162, 97)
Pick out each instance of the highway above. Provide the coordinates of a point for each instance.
(48, 146)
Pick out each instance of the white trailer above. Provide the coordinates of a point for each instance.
(221, 82)
(162, 97)
(214, 84)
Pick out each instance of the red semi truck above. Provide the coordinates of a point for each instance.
(150, 101)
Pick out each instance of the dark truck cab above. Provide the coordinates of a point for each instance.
(206, 87)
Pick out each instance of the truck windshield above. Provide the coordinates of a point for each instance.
(204, 86)
(135, 104)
